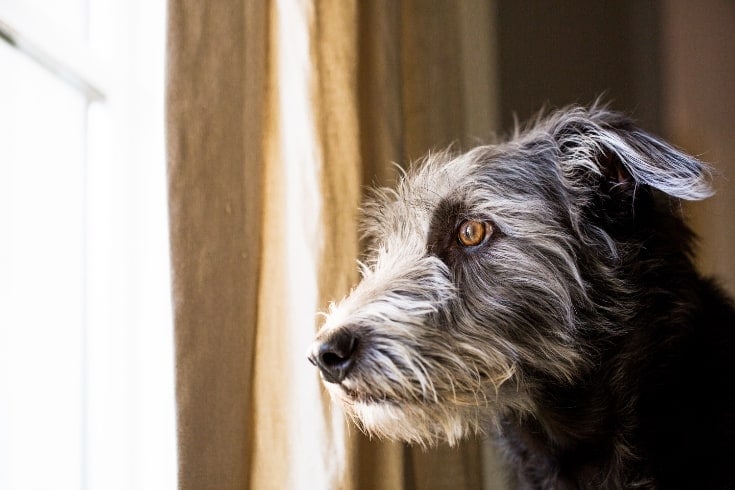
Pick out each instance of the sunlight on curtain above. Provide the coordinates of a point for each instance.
(292, 420)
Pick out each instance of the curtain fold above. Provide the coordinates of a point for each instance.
(278, 113)
(216, 59)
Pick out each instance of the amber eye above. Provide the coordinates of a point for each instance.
(472, 233)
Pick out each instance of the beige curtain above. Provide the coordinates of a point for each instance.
(278, 112)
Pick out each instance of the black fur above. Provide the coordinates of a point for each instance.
(661, 389)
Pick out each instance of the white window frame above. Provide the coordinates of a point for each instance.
(128, 438)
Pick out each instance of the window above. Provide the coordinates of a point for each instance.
(86, 356)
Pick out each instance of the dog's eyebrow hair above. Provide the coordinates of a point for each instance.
(442, 225)
(450, 208)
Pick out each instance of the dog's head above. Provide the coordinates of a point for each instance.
(489, 271)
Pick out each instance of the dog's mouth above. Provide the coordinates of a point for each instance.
(351, 392)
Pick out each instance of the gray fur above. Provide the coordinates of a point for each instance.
(448, 341)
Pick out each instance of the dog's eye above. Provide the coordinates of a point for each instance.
(472, 233)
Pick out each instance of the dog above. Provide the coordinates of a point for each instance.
(543, 291)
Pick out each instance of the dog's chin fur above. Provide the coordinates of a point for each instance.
(399, 422)
(577, 331)
(443, 419)
(417, 423)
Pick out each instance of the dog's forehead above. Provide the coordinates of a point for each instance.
(492, 170)
(488, 171)
(421, 191)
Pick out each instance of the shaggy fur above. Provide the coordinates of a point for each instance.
(577, 331)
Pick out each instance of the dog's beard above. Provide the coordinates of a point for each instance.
(416, 423)
(425, 424)
(402, 404)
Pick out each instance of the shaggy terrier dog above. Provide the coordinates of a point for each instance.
(543, 290)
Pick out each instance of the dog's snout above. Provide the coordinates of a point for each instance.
(335, 356)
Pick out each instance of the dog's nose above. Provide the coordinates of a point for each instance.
(335, 356)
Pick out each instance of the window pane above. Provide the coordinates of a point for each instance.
(42, 129)
(66, 18)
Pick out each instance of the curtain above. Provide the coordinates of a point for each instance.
(278, 114)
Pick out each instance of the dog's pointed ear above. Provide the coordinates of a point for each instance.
(604, 144)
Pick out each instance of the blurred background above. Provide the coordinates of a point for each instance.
(87, 396)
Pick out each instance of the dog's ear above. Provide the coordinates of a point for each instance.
(604, 144)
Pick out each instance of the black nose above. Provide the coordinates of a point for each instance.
(335, 355)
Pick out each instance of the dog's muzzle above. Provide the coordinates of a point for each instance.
(335, 355)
